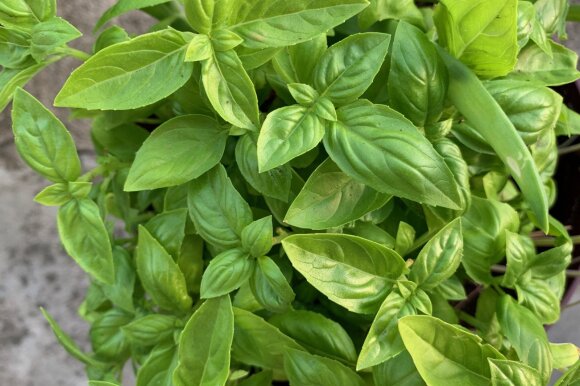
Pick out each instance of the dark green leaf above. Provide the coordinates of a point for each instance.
(150, 329)
(169, 229)
(270, 287)
(108, 340)
(226, 272)
(307, 369)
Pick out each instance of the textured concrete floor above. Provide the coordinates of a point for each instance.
(34, 270)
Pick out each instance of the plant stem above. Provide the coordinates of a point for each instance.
(73, 52)
(569, 149)
(91, 174)
(574, 13)
(569, 305)
(471, 320)
(550, 241)
(472, 295)
(282, 234)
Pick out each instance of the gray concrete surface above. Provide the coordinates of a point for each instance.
(34, 270)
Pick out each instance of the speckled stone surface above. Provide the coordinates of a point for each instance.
(34, 270)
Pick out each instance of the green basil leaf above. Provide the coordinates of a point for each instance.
(190, 262)
(551, 262)
(451, 289)
(169, 229)
(564, 355)
(307, 369)
(14, 48)
(270, 287)
(50, 35)
(107, 338)
(199, 49)
(439, 258)
(224, 40)
(532, 109)
(443, 352)
(258, 343)
(207, 15)
(24, 14)
(330, 198)
(526, 335)
(109, 37)
(379, 10)
(383, 340)
(12, 79)
(295, 64)
(316, 333)
(263, 378)
(348, 68)
(418, 77)
(160, 275)
(405, 238)
(158, 367)
(540, 298)
(114, 80)
(217, 209)
(570, 377)
(85, 238)
(510, 373)
(279, 23)
(287, 133)
(400, 371)
(482, 34)
(121, 293)
(303, 94)
(526, 22)
(124, 6)
(350, 271)
(257, 237)
(369, 137)
(230, 90)
(205, 344)
(42, 140)
(67, 343)
(181, 164)
(552, 16)
(122, 141)
(274, 183)
(534, 64)
(60, 193)
(150, 329)
(226, 273)
(484, 228)
(519, 251)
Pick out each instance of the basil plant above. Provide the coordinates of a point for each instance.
(331, 192)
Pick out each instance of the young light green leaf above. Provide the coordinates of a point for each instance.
(302, 93)
(124, 6)
(405, 238)
(24, 14)
(85, 238)
(169, 229)
(418, 77)
(197, 144)
(107, 338)
(318, 334)
(225, 40)
(439, 258)
(159, 366)
(50, 35)
(349, 270)
(539, 297)
(217, 209)
(14, 48)
(129, 75)
(67, 343)
(226, 272)
(331, 198)
(484, 228)
(258, 343)
(205, 344)
(519, 252)
(109, 37)
(534, 64)
(43, 141)
(270, 287)
(11, 79)
(287, 133)
(483, 35)
(230, 90)
(295, 64)
(160, 275)
(383, 340)
(307, 369)
(444, 353)
(348, 68)
(199, 49)
(121, 292)
(257, 237)
(570, 377)
(511, 373)
(207, 15)
(274, 183)
(279, 23)
(526, 335)
(376, 145)
(564, 355)
(60, 193)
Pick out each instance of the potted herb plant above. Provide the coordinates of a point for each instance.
(332, 192)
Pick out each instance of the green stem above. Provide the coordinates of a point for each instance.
(574, 13)
(550, 242)
(282, 234)
(73, 52)
(483, 112)
(569, 305)
(471, 320)
(569, 149)
(91, 174)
